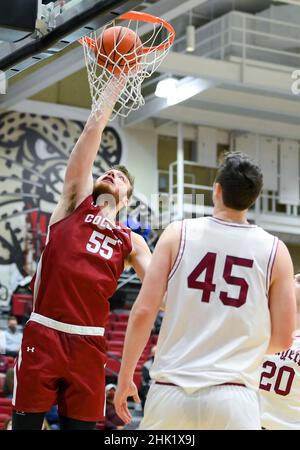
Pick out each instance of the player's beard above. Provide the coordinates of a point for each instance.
(105, 189)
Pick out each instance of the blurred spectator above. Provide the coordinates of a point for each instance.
(146, 379)
(2, 341)
(8, 386)
(112, 420)
(52, 418)
(158, 321)
(7, 424)
(13, 337)
(3, 364)
(117, 301)
(23, 288)
(141, 228)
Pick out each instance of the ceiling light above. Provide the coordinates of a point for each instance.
(166, 88)
(190, 38)
(290, 2)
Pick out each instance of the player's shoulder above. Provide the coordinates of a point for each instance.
(174, 226)
(179, 228)
(138, 243)
(196, 223)
(136, 238)
(266, 236)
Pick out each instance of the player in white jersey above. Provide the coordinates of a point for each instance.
(280, 383)
(229, 299)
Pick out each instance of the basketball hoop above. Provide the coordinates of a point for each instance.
(111, 63)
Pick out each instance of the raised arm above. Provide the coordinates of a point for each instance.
(282, 302)
(140, 255)
(143, 315)
(78, 182)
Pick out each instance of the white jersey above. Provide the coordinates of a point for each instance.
(280, 389)
(216, 326)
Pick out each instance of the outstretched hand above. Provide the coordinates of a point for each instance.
(125, 390)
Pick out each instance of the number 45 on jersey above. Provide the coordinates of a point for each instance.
(208, 265)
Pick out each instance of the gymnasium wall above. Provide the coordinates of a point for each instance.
(141, 159)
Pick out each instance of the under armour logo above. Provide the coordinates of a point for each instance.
(30, 349)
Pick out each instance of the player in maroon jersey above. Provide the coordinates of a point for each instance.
(62, 358)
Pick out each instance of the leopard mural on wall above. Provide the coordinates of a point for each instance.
(34, 151)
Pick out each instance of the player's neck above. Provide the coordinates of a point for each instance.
(230, 215)
(109, 213)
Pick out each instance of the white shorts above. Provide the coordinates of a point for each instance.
(225, 407)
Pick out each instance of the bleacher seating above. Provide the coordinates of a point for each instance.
(11, 361)
(115, 345)
(6, 406)
(127, 306)
(3, 418)
(2, 379)
(114, 353)
(113, 365)
(123, 317)
(115, 336)
(7, 362)
(118, 326)
(112, 317)
(21, 305)
(137, 378)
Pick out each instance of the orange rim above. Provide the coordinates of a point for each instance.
(143, 17)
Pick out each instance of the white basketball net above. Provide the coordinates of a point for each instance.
(155, 46)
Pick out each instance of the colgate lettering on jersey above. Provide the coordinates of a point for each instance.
(80, 267)
(101, 221)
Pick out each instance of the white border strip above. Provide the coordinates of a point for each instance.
(271, 261)
(16, 368)
(37, 280)
(65, 327)
(181, 250)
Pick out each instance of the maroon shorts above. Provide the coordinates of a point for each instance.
(55, 367)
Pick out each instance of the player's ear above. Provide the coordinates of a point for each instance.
(217, 189)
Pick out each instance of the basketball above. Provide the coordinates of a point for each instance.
(118, 49)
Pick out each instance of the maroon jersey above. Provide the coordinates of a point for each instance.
(80, 267)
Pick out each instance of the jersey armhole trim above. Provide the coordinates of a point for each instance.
(271, 263)
(180, 250)
(130, 233)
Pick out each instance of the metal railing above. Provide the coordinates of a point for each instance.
(267, 207)
(247, 37)
(186, 175)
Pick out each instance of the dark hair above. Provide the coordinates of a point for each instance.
(241, 181)
(129, 177)
(8, 386)
(12, 318)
